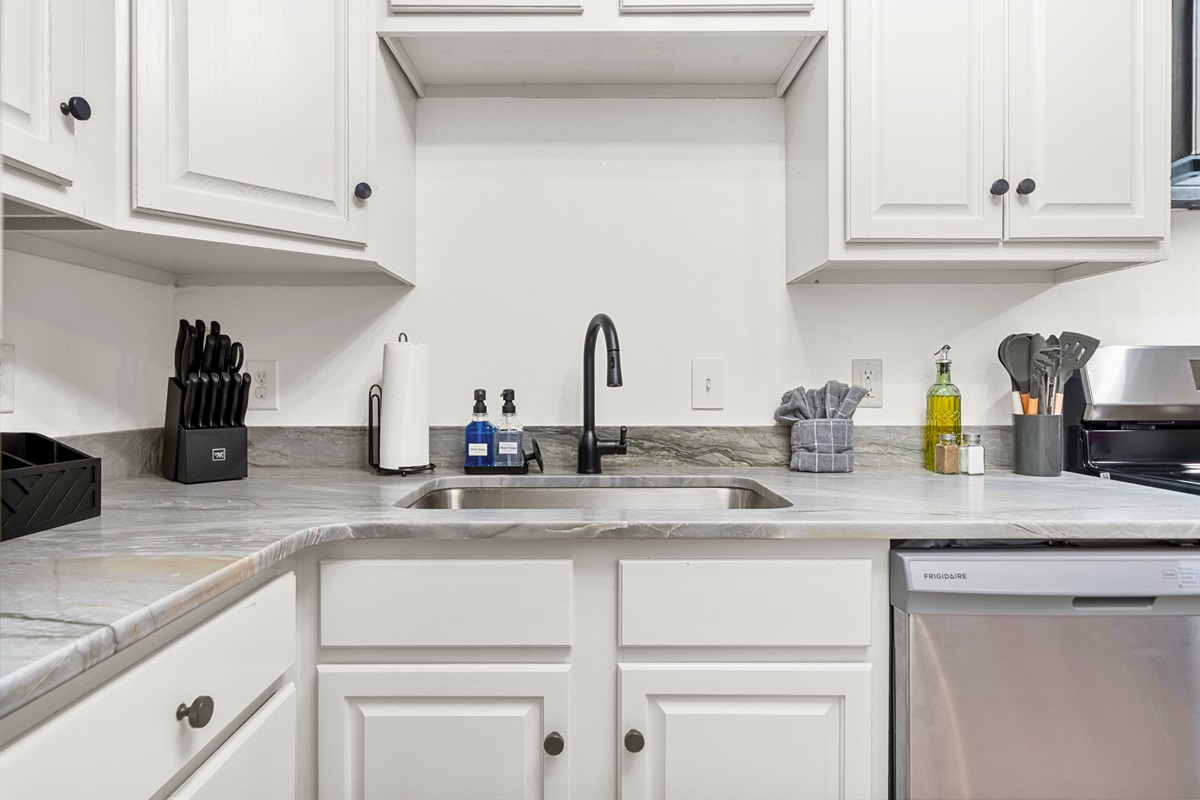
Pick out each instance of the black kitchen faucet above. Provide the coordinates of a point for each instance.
(591, 447)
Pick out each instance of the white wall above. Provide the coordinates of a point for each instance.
(904, 325)
(94, 350)
(534, 214)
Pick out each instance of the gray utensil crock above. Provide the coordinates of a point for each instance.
(1038, 445)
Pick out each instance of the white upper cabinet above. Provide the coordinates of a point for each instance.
(1086, 104)
(254, 114)
(979, 141)
(925, 104)
(40, 56)
(926, 88)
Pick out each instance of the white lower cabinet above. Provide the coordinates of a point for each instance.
(458, 732)
(132, 736)
(761, 731)
(257, 763)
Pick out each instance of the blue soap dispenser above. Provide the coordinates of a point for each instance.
(480, 435)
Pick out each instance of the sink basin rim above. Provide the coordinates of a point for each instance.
(595, 493)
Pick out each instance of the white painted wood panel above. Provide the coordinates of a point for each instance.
(442, 732)
(488, 6)
(254, 114)
(746, 603)
(760, 731)
(1089, 118)
(123, 739)
(925, 106)
(257, 763)
(40, 55)
(711, 6)
(451, 602)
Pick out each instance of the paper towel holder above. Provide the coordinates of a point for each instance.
(374, 410)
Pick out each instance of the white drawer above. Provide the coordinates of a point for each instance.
(257, 763)
(123, 740)
(751, 603)
(446, 603)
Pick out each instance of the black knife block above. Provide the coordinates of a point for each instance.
(200, 455)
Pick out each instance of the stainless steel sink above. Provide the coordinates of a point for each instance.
(649, 497)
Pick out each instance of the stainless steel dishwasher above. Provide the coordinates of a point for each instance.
(1049, 673)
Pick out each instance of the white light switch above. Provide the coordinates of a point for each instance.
(708, 383)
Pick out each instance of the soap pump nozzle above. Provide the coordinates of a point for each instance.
(509, 396)
(480, 396)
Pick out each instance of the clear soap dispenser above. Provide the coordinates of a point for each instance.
(943, 407)
(480, 435)
(510, 449)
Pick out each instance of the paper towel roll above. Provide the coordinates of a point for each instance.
(404, 406)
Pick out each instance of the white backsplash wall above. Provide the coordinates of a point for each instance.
(535, 214)
(905, 325)
(94, 350)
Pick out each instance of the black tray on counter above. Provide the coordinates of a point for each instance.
(44, 484)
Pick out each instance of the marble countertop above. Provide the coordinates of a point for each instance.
(73, 596)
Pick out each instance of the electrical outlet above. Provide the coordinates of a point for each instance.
(708, 383)
(264, 385)
(8, 377)
(868, 373)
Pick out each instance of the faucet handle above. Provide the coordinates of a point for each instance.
(624, 430)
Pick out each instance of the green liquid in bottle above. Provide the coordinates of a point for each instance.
(943, 412)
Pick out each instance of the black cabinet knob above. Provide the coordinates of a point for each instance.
(554, 744)
(1026, 186)
(199, 713)
(634, 741)
(362, 191)
(77, 107)
(1000, 187)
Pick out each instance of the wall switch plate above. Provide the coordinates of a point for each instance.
(708, 383)
(868, 373)
(8, 377)
(264, 385)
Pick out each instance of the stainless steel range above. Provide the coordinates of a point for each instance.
(1133, 414)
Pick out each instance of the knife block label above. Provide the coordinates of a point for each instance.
(218, 454)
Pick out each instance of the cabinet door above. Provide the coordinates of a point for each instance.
(786, 731)
(1088, 118)
(925, 119)
(458, 732)
(253, 114)
(40, 44)
(257, 763)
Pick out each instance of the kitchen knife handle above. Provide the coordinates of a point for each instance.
(223, 344)
(214, 393)
(202, 401)
(188, 407)
(244, 402)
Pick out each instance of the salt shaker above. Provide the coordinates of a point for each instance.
(970, 455)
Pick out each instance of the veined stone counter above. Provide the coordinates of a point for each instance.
(73, 596)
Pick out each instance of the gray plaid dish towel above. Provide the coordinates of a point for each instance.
(822, 431)
(823, 445)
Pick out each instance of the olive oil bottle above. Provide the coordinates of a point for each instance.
(943, 407)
